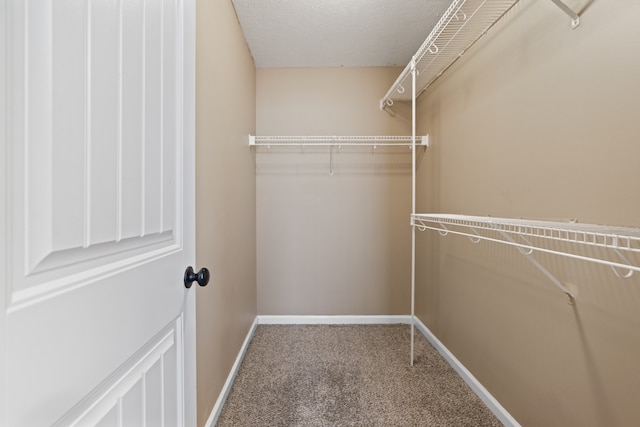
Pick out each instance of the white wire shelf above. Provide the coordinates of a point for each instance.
(462, 24)
(339, 146)
(335, 141)
(529, 235)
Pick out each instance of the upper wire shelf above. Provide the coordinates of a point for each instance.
(335, 141)
(461, 25)
(623, 241)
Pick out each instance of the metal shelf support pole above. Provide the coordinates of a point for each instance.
(413, 201)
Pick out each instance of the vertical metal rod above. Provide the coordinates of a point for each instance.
(413, 201)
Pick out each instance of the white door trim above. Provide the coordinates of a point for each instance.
(189, 135)
(4, 165)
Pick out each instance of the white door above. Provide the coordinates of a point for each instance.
(97, 186)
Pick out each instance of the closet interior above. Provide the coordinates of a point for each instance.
(462, 24)
(523, 256)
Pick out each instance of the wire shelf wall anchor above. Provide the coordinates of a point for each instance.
(575, 18)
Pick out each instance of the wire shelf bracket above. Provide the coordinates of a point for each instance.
(575, 18)
(528, 254)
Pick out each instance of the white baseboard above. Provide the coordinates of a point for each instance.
(333, 320)
(226, 388)
(491, 402)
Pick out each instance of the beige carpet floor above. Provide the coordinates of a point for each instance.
(348, 375)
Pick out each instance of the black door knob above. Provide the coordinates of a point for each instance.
(202, 277)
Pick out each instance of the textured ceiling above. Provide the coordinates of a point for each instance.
(336, 33)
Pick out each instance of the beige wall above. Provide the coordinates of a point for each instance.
(331, 244)
(225, 196)
(538, 121)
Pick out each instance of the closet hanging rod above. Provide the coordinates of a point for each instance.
(327, 141)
